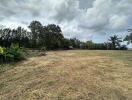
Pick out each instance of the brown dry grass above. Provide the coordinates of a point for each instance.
(68, 75)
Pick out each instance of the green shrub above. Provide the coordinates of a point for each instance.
(2, 54)
(15, 52)
(1, 51)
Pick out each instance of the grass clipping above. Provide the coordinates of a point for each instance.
(69, 75)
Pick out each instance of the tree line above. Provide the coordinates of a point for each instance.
(51, 37)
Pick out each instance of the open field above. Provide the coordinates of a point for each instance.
(69, 75)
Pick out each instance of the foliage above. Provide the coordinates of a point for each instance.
(51, 37)
(1, 54)
(66, 43)
(123, 47)
(1, 51)
(14, 53)
(19, 35)
(36, 29)
(75, 43)
(129, 37)
(93, 46)
(114, 42)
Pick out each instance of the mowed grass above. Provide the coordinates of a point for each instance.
(69, 75)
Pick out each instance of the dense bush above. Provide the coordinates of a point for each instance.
(1, 54)
(14, 53)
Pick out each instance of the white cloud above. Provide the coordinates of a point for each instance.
(118, 22)
(78, 18)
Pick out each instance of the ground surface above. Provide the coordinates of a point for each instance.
(70, 75)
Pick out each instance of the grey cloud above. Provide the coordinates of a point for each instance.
(67, 10)
(25, 23)
(80, 18)
(106, 16)
(85, 4)
(14, 8)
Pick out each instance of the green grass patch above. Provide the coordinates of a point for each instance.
(124, 56)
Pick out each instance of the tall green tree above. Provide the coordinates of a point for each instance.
(66, 43)
(36, 29)
(5, 37)
(53, 36)
(75, 42)
(129, 37)
(22, 37)
(115, 41)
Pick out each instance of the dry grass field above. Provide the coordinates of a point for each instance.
(69, 75)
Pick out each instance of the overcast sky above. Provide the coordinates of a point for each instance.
(84, 19)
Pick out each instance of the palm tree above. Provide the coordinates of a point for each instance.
(115, 41)
(129, 37)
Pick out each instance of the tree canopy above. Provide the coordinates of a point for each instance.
(129, 37)
(115, 41)
(51, 37)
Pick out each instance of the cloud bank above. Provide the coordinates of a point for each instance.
(83, 19)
